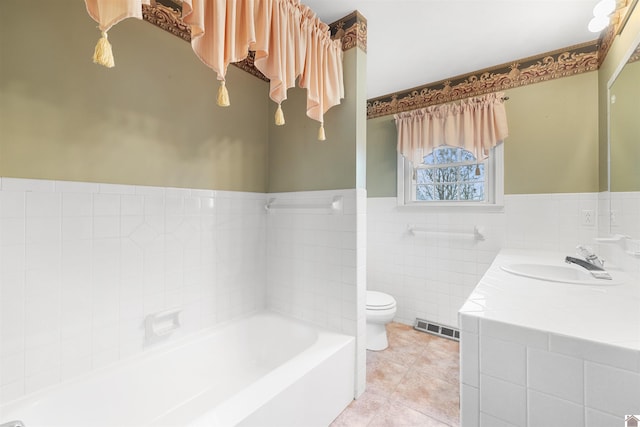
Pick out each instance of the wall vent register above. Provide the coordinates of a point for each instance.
(437, 329)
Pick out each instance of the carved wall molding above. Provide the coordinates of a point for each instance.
(168, 19)
(635, 56)
(562, 63)
(618, 21)
(352, 30)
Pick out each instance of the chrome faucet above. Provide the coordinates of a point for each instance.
(590, 256)
(591, 263)
(15, 423)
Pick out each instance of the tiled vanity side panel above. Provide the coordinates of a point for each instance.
(567, 381)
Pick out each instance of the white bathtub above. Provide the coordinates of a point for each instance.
(263, 370)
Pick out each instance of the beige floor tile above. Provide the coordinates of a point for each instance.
(429, 395)
(402, 352)
(362, 410)
(384, 375)
(395, 414)
(443, 364)
(414, 382)
(444, 344)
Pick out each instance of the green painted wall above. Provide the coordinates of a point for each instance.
(553, 137)
(381, 157)
(151, 120)
(298, 161)
(552, 145)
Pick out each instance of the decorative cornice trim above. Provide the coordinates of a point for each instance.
(552, 65)
(168, 19)
(247, 65)
(618, 21)
(352, 30)
(635, 56)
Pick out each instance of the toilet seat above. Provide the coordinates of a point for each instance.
(381, 309)
(379, 301)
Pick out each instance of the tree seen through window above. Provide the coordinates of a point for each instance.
(448, 174)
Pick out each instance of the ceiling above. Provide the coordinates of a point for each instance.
(416, 42)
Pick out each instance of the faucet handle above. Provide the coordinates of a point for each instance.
(584, 251)
(589, 255)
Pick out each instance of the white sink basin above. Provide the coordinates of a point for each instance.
(558, 273)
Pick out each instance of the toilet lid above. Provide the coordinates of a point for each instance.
(379, 300)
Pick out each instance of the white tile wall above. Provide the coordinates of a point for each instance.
(619, 214)
(432, 275)
(549, 411)
(595, 418)
(470, 406)
(625, 213)
(81, 264)
(503, 359)
(316, 263)
(555, 374)
(489, 421)
(311, 260)
(568, 382)
(503, 400)
(612, 390)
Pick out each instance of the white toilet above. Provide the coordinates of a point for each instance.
(381, 308)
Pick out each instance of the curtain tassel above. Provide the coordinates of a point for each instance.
(477, 170)
(279, 116)
(223, 95)
(321, 136)
(103, 55)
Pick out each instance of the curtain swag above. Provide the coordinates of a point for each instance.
(475, 124)
(290, 43)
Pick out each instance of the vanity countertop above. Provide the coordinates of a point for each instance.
(607, 313)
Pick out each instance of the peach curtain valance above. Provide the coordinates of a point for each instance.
(475, 124)
(290, 43)
(108, 13)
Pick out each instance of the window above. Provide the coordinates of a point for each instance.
(450, 173)
(451, 176)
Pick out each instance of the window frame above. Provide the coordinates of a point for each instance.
(494, 173)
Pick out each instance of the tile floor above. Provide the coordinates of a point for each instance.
(414, 382)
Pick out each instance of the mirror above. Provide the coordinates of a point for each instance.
(624, 98)
(624, 146)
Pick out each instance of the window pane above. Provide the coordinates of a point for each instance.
(472, 191)
(425, 192)
(446, 192)
(424, 176)
(479, 191)
(446, 174)
(466, 155)
(467, 173)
